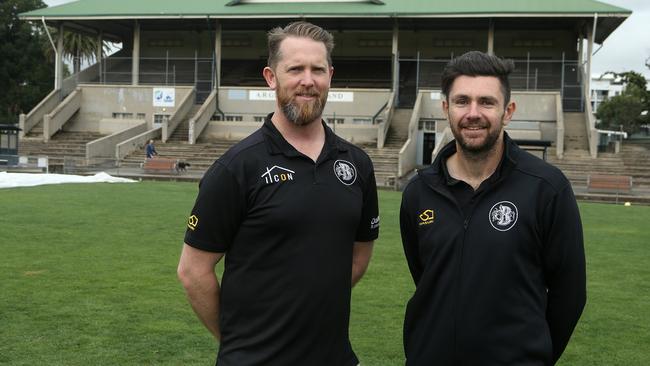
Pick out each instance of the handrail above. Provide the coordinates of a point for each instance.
(407, 154)
(175, 119)
(382, 130)
(53, 121)
(202, 117)
(444, 139)
(35, 116)
(381, 109)
(105, 146)
(128, 146)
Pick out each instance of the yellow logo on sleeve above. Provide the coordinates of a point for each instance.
(192, 222)
(427, 217)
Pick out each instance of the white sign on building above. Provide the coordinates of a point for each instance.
(164, 97)
(336, 96)
(332, 96)
(261, 95)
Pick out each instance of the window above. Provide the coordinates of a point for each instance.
(234, 118)
(338, 120)
(427, 124)
(259, 118)
(121, 115)
(363, 120)
(160, 118)
(141, 116)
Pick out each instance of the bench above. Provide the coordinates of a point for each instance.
(161, 165)
(534, 145)
(608, 183)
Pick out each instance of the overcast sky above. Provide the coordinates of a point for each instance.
(625, 49)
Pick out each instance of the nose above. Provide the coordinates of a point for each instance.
(473, 112)
(307, 79)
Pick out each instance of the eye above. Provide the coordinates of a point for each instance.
(487, 102)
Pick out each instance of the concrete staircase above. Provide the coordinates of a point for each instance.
(61, 146)
(35, 132)
(399, 126)
(201, 155)
(385, 160)
(181, 133)
(633, 160)
(575, 132)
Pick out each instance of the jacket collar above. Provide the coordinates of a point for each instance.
(434, 173)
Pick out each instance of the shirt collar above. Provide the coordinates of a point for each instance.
(277, 144)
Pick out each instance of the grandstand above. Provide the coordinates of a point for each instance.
(206, 57)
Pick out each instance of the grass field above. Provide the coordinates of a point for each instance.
(88, 277)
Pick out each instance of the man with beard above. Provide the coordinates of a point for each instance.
(492, 237)
(293, 208)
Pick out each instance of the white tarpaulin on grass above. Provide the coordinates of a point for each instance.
(12, 180)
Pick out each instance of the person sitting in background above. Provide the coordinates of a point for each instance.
(150, 150)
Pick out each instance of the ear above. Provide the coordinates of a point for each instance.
(269, 76)
(331, 74)
(508, 113)
(445, 107)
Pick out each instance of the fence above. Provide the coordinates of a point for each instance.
(529, 74)
(172, 71)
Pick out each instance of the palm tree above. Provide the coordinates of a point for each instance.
(76, 46)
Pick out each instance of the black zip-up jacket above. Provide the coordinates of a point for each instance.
(502, 285)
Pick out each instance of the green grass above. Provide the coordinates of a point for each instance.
(88, 276)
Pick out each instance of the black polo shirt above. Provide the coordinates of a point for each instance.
(287, 225)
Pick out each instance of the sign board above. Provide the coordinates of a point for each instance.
(237, 94)
(336, 96)
(435, 95)
(332, 96)
(42, 162)
(164, 97)
(261, 95)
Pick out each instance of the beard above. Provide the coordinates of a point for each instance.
(482, 148)
(302, 114)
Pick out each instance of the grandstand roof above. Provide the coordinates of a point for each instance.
(609, 16)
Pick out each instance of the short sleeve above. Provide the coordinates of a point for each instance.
(218, 211)
(368, 229)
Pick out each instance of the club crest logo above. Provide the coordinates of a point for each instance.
(503, 215)
(345, 172)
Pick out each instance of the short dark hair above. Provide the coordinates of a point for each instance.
(477, 63)
(300, 30)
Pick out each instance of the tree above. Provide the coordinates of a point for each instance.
(627, 109)
(24, 78)
(77, 47)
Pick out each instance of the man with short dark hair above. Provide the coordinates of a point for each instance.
(492, 236)
(294, 209)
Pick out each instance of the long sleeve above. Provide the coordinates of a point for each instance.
(564, 267)
(410, 241)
